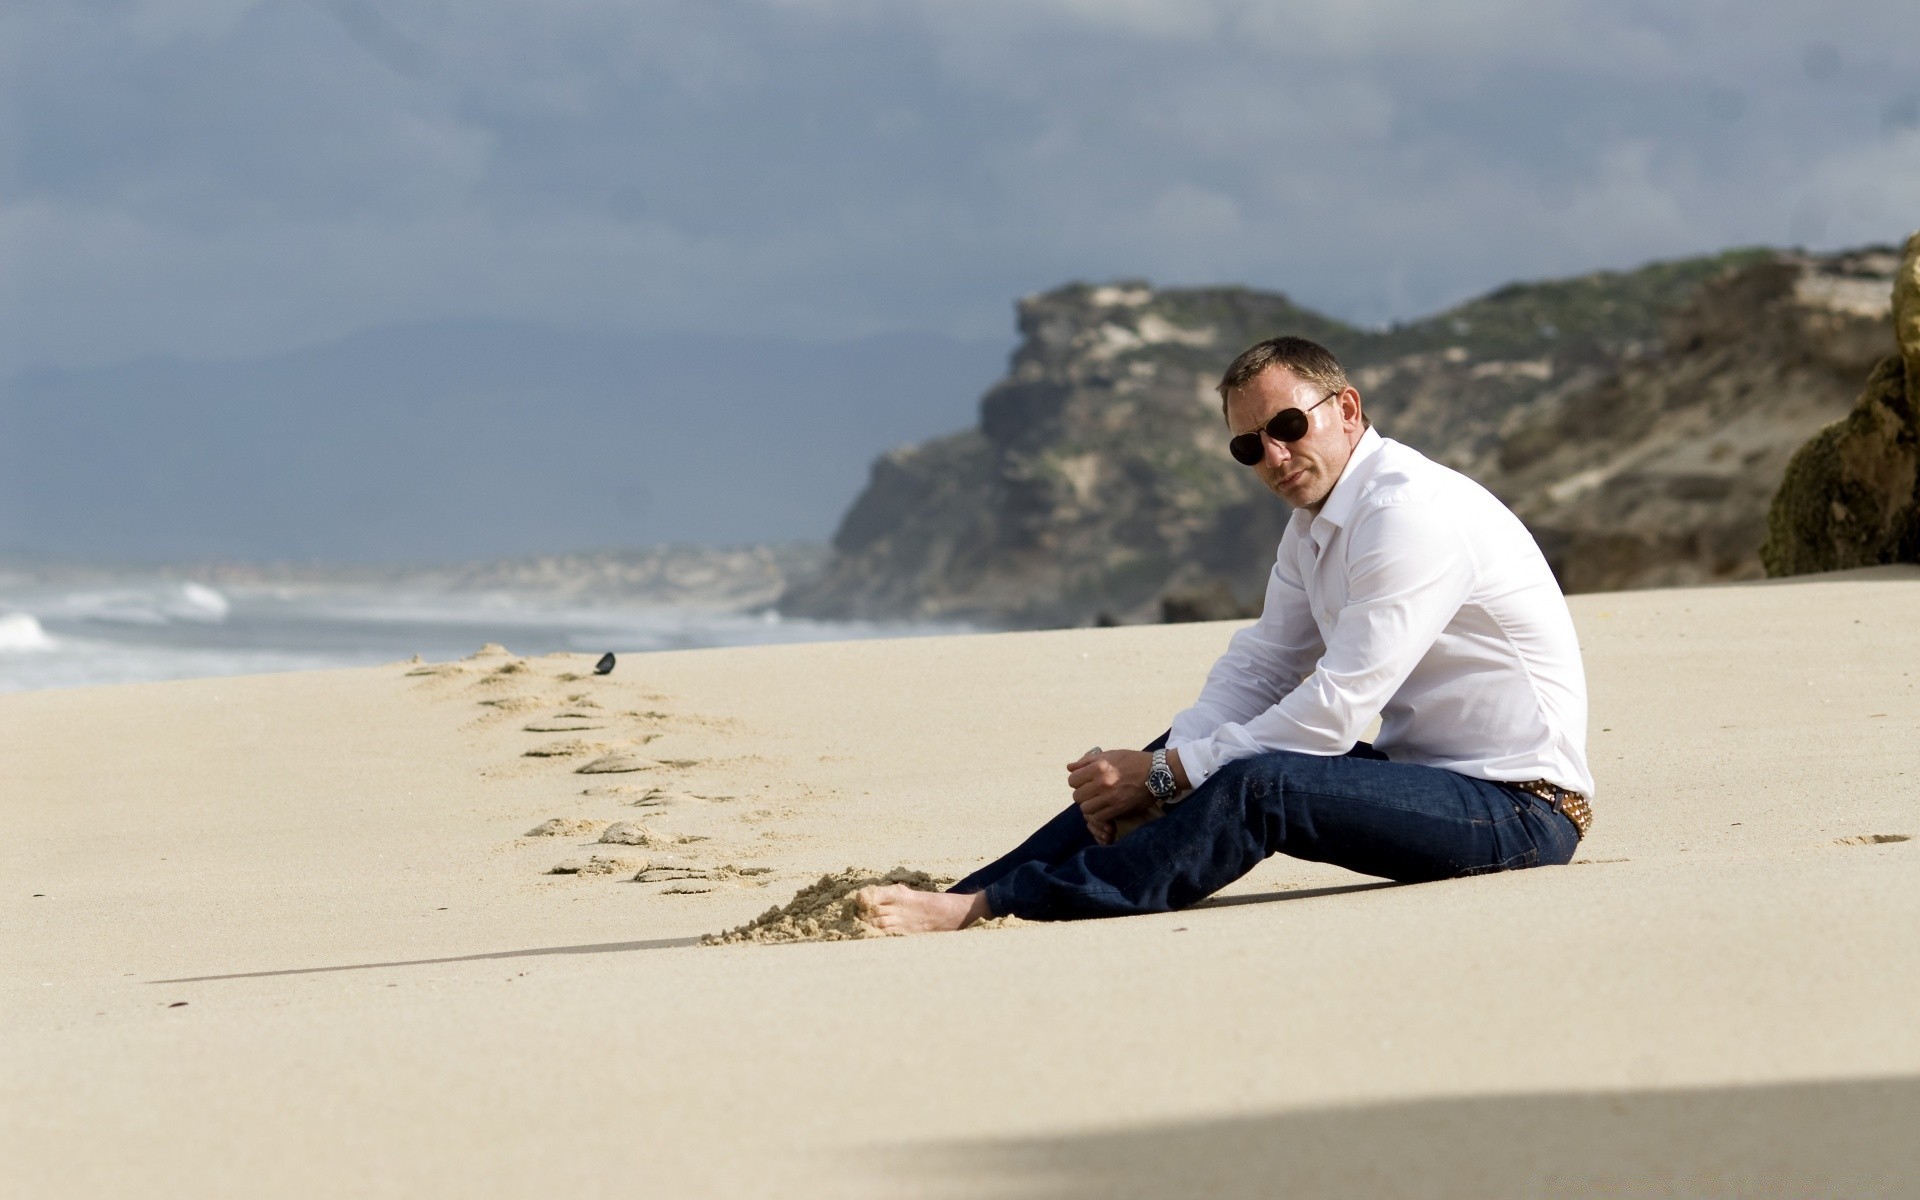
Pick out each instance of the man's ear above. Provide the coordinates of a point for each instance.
(1350, 407)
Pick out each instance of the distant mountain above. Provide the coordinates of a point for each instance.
(463, 440)
(1638, 421)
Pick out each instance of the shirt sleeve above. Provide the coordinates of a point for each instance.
(1263, 662)
(1408, 573)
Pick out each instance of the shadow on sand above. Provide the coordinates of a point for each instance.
(1836, 1138)
(1343, 889)
(537, 952)
(674, 943)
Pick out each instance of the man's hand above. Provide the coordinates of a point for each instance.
(1108, 785)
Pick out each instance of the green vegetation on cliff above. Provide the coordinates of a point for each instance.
(1637, 420)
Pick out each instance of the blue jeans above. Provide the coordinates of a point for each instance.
(1358, 811)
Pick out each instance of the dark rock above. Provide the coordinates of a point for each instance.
(1213, 602)
(605, 665)
(1851, 496)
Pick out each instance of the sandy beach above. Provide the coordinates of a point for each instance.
(289, 935)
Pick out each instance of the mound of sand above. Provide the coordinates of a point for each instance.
(825, 910)
(632, 833)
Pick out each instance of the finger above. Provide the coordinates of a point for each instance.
(1093, 785)
(1099, 770)
(1099, 773)
(1102, 832)
(1084, 759)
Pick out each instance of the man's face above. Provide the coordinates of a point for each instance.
(1301, 472)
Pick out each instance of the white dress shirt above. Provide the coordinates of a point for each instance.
(1416, 596)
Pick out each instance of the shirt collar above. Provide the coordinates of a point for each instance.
(1353, 480)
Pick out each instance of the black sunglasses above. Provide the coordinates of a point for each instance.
(1287, 425)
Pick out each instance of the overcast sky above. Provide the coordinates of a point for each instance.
(228, 178)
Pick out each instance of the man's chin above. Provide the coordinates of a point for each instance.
(1297, 492)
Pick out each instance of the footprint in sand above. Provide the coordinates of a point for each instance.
(571, 748)
(1873, 839)
(616, 763)
(682, 875)
(565, 827)
(669, 873)
(593, 866)
(504, 677)
(632, 833)
(630, 795)
(513, 704)
(445, 668)
(471, 663)
(567, 722)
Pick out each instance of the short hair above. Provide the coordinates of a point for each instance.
(1308, 359)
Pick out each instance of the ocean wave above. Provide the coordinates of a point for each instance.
(20, 633)
(138, 630)
(161, 604)
(198, 602)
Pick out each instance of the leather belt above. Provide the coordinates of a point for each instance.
(1571, 805)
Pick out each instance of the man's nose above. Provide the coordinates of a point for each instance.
(1279, 454)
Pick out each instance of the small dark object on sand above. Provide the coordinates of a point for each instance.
(605, 665)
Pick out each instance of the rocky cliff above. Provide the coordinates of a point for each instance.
(1638, 421)
(1851, 496)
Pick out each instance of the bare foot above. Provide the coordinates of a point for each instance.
(897, 908)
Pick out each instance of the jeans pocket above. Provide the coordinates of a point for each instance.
(1558, 837)
(1515, 846)
(1530, 857)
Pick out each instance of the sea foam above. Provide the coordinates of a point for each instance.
(20, 633)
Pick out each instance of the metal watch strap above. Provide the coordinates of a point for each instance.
(1161, 774)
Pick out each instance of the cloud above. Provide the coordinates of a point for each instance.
(223, 178)
(379, 37)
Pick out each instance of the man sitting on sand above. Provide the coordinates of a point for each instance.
(1403, 590)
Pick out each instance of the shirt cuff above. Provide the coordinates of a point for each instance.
(1199, 758)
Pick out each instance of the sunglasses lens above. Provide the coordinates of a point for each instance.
(1289, 426)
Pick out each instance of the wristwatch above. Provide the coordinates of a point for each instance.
(1160, 779)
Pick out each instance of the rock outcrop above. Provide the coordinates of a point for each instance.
(1094, 482)
(1639, 422)
(1851, 496)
